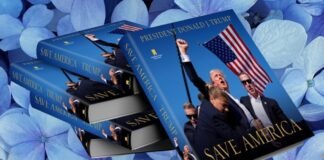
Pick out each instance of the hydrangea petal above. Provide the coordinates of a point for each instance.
(274, 14)
(63, 5)
(295, 85)
(31, 36)
(10, 43)
(60, 139)
(13, 26)
(312, 112)
(17, 128)
(161, 5)
(75, 144)
(14, 110)
(37, 16)
(64, 26)
(194, 7)
(11, 7)
(39, 1)
(131, 10)
(298, 14)
(169, 16)
(20, 95)
(33, 150)
(58, 152)
(87, 14)
(172, 154)
(123, 157)
(314, 56)
(313, 96)
(319, 83)
(48, 124)
(314, 9)
(313, 148)
(239, 6)
(280, 41)
(286, 155)
(5, 99)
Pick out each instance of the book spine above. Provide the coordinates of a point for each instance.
(39, 85)
(151, 89)
(71, 61)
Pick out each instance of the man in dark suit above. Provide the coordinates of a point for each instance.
(119, 80)
(189, 127)
(77, 108)
(241, 117)
(214, 123)
(114, 58)
(261, 107)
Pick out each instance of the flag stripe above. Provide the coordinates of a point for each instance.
(239, 62)
(248, 53)
(243, 56)
(129, 27)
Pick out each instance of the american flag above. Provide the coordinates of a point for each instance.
(229, 48)
(125, 27)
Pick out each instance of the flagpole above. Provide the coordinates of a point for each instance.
(181, 65)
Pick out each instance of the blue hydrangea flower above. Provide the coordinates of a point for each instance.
(313, 148)
(11, 7)
(195, 8)
(29, 32)
(312, 112)
(172, 155)
(123, 157)
(280, 41)
(303, 79)
(314, 7)
(291, 11)
(31, 137)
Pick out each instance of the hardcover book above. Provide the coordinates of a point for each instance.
(214, 93)
(79, 96)
(91, 53)
(119, 141)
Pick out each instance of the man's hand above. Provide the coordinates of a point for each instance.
(92, 37)
(175, 140)
(257, 124)
(182, 45)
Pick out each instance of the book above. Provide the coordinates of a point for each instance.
(213, 91)
(138, 130)
(73, 93)
(118, 136)
(83, 96)
(99, 52)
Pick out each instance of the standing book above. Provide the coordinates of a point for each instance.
(214, 93)
(90, 53)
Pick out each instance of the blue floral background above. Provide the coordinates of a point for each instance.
(289, 33)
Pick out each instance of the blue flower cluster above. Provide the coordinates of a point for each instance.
(289, 33)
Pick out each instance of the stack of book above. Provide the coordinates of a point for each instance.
(213, 92)
(84, 79)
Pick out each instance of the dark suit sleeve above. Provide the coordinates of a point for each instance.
(195, 79)
(104, 43)
(280, 115)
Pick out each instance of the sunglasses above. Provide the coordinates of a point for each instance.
(248, 81)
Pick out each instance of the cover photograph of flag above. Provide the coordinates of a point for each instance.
(214, 92)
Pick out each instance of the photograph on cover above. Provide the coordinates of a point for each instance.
(222, 92)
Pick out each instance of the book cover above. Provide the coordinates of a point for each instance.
(98, 54)
(213, 91)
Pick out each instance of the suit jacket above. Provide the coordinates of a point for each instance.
(238, 116)
(213, 128)
(271, 107)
